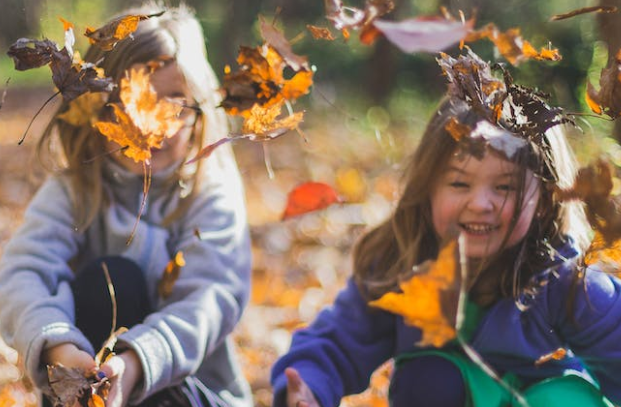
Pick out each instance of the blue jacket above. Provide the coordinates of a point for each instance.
(339, 351)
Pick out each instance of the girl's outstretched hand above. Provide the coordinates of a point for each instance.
(125, 372)
(69, 355)
(298, 393)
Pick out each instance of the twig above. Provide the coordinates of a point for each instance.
(112, 296)
(460, 320)
(21, 140)
(146, 185)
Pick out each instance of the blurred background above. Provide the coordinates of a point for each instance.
(365, 112)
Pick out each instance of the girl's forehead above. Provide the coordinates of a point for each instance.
(490, 163)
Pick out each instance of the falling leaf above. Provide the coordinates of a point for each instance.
(109, 35)
(584, 10)
(142, 121)
(605, 253)
(309, 197)
(170, 275)
(608, 99)
(557, 354)
(29, 54)
(262, 123)
(320, 33)
(429, 298)
(347, 18)
(593, 185)
(511, 45)
(278, 41)
(84, 109)
(424, 34)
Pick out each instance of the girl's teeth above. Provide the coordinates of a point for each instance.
(478, 228)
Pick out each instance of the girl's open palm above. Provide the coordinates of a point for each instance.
(298, 393)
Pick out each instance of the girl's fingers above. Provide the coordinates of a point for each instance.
(112, 367)
(294, 381)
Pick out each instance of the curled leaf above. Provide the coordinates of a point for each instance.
(608, 99)
(107, 36)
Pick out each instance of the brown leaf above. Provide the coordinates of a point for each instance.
(170, 275)
(347, 18)
(278, 41)
(320, 33)
(68, 385)
(109, 35)
(584, 10)
(28, 54)
(608, 99)
(309, 197)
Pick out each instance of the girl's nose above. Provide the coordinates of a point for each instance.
(481, 200)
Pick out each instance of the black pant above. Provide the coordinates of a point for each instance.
(93, 314)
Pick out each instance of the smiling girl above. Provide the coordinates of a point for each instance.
(526, 292)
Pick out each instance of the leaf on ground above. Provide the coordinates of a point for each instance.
(107, 36)
(309, 197)
(424, 33)
(142, 120)
(511, 45)
(429, 299)
(170, 275)
(608, 99)
(584, 10)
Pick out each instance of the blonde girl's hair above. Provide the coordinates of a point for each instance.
(79, 151)
(387, 253)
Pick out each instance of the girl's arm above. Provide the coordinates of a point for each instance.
(336, 355)
(207, 299)
(36, 303)
(593, 327)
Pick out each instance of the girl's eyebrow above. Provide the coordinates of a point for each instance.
(460, 170)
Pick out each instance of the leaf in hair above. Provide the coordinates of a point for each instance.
(107, 36)
(429, 298)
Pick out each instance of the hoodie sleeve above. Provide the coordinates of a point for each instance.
(207, 299)
(339, 351)
(36, 302)
(593, 327)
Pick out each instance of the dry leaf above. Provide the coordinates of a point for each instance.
(84, 109)
(557, 354)
(142, 121)
(109, 35)
(170, 275)
(69, 385)
(429, 298)
(320, 33)
(309, 197)
(584, 10)
(608, 99)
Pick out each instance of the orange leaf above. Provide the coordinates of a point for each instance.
(109, 35)
(309, 197)
(142, 121)
(320, 33)
(423, 297)
(262, 123)
(557, 354)
(170, 275)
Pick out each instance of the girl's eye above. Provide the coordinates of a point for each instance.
(458, 184)
(506, 187)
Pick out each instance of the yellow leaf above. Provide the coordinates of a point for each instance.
(83, 109)
(421, 302)
(170, 275)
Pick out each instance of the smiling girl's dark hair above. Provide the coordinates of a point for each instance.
(387, 253)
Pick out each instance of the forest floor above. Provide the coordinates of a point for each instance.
(298, 264)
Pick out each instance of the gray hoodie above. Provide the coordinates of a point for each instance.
(189, 331)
